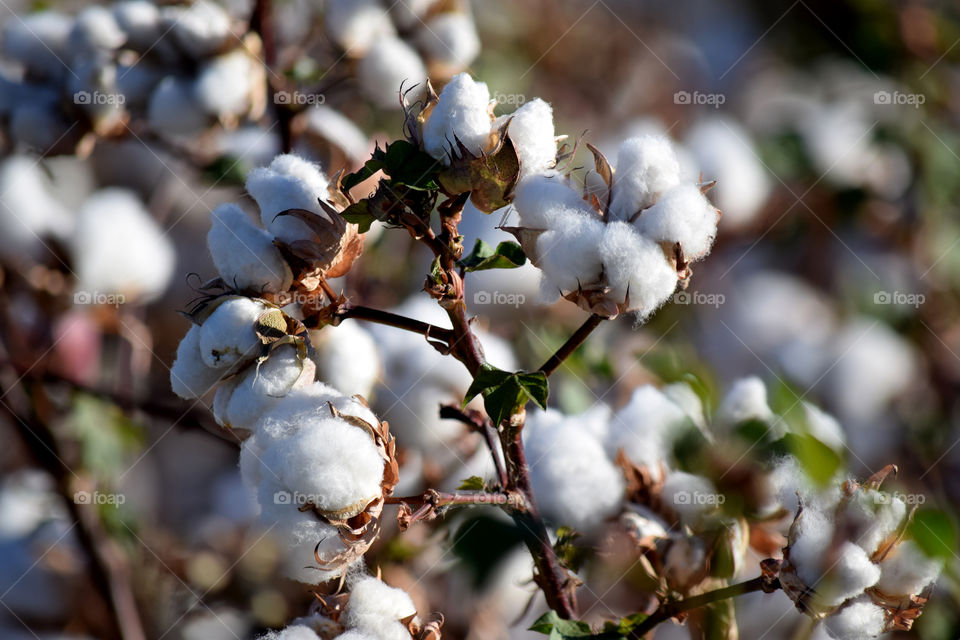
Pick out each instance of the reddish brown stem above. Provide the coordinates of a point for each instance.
(571, 345)
(390, 319)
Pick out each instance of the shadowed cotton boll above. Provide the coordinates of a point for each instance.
(118, 248)
(347, 358)
(199, 29)
(228, 335)
(355, 25)
(859, 620)
(339, 130)
(39, 42)
(450, 42)
(461, 113)
(95, 35)
(389, 65)
(244, 254)
(377, 609)
(139, 20)
(27, 209)
(174, 109)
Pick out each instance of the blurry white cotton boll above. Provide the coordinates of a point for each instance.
(532, 132)
(338, 130)
(225, 84)
(356, 25)
(462, 113)
(292, 632)
(407, 14)
(824, 427)
(174, 109)
(28, 212)
(200, 28)
(39, 42)
(27, 499)
(95, 34)
(118, 248)
(574, 481)
(290, 182)
(724, 152)
(389, 66)
(450, 42)
(692, 497)
(347, 358)
(139, 20)
(646, 428)
(244, 254)
(746, 400)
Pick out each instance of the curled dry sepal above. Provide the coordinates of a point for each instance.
(852, 562)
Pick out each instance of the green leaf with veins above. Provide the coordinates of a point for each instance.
(507, 255)
(505, 393)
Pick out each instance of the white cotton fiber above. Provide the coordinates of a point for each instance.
(229, 334)
(173, 108)
(290, 182)
(684, 215)
(450, 42)
(28, 211)
(390, 64)
(293, 632)
(39, 42)
(645, 428)
(746, 400)
(860, 620)
(874, 517)
(377, 608)
(907, 570)
(222, 87)
(118, 248)
(259, 389)
(200, 28)
(189, 376)
(339, 130)
(94, 32)
(540, 196)
(355, 25)
(297, 535)
(692, 497)
(531, 130)
(635, 268)
(357, 634)
(574, 482)
(461, 113)
(347, 358)
(567, 251)
(646, 167)
(139, 20)
(848, 576)
(814, 536)
(244, 254)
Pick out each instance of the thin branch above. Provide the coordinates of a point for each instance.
(571, 345)
(669, 610)
(390, 319)
(476, 421)
(431, 501)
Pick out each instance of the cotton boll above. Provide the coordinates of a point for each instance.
(683, 395)
(407, 14)
(635, 269)
(259, 389)
(450, 42)
(859, 620)
(378, 608)
(119, 249)
(336, 128)
(691, 496)
(28, 212)
(824, 427)
(907, 570)
(347, 358)
(244, 254)
(223, 84)
(539, 196)
(174, 109)
(461, 113)
(229, 334)
(292, 632)
(647, 166)
(849, 576)
(355, 25)
(297, 534)
(746, 400)
(725, 153)
(873, 517)
(95, 33)
(290, 182)
(645, 428)
(684, 215)
(189, 376)
(200, 28)
(814, 535)
(389, 66)
(357, 634)
(575, 483)
(567, 251)
(531, 130)
(39, 42)
(790, 485)
(139, 20)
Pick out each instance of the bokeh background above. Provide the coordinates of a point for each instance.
(830, 128)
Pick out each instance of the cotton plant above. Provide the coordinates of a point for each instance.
(324, 464)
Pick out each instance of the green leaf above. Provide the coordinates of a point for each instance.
(505, 393)
(473, 483)
(934, 532)
(488, 377)
(536, 386)
(818, 461)
(376, 163)
(436, 271)
(505, 400)
(507, 255)
(359, 214)
(560, 629)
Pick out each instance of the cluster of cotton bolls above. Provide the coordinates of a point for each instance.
(116, 248)
(402, 44)
(850, 561)
(179, 66)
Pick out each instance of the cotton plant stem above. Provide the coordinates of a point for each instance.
(398, 321)
(571, 345)
(481, 424)
(668, 610)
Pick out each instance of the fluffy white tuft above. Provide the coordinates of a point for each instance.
(858, 620)
(746, 400)
(567, 251)
(244, 254)
(229, 334)
(347, 358)
(691, 496)
(814, 535)
(647, 166)
(539, 196)
(848, 576)
(645, 429)
(377, 608)
(682, 215)
(907, 570)
(260, 388)
(189, 376)
(636, 269)
(290, 182)
(462, 113)
(532, 132)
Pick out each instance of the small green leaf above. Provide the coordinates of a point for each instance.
(376, 162)
(473, 483)
(488, 377)
(505, 393)
(436, 271)
(934, 532)
(507, 255)
(536, 386)
(359, 214)
(505, 400)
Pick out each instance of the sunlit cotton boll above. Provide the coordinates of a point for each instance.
(389, 66)
(119, 249)
(290, 182)
(532, 132)
(244, 254)
(28, 211)
(859, 620)
(849, 575)
(636, 269)
(223, 85)
(682, 215)
(450, 42)
(377, 608)
(567, 251)
(190, 377)
(645, 429)
(646, 167)
(200, 28)
(355, 25)
(907, 570)
(746, 400)
(229, 335)
(462, 113)
(574, 481)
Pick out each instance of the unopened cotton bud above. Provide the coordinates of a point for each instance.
(462, 113)
(244, 254)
